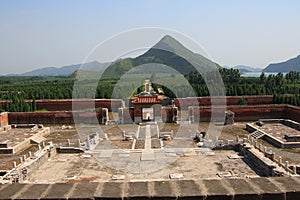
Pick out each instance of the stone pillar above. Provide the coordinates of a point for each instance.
(175, 114)
(286, 164)
(121, 115)
(21, 159)
(280, 160)
(15, 164)
(191, 114)
(30, 154)
(104, 117)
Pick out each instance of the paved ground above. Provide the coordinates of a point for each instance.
(278, 130)
(102, 166)
(114, 157)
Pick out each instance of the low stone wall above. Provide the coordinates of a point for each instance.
(267, 166)
(26, 143)
(45, 155)
(208, 189)
(29, 163)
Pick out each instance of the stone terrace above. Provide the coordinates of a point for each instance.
(233, 189)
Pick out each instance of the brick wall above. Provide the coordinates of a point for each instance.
(55, 117)
(183, 103)
(3, 119)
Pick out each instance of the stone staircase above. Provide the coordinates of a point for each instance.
(257, 134)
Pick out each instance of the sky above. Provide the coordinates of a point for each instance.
(36, 34)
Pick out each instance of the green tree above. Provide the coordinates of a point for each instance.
(262, 78)
(242, 101)
(33, 105)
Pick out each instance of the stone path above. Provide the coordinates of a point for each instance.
(147, 153)
(148, 137)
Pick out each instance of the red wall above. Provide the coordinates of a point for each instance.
(293, 112)
(251, 113)
(65, 117)
(3, 119)
(59, 105)
(183, 103)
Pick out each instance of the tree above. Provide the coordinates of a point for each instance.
(242, 101)
(279, 80)
(262, 78)
(33, 105)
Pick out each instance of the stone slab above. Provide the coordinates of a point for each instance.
(176, 176)
(147, 155)
(189, 189)
(124, 155)
(106, 154)
(58, 191)
(215, 187)
(224, 174)
(170, 154)
(265, 185)
(164, 189)
(288, 183)
(291, 186)
(242, 189)
(137, 190)
(35, 191)
(111, 190)
(118, 177)
(169, 150)
(268, 189)
(84, 191)
(10, 190)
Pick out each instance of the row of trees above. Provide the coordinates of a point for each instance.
(285, 88)
(18, 104)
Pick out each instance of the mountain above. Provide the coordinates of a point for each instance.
(167, 51)
(63, 71)
(244, 68)
(247, 68)
(286, 66)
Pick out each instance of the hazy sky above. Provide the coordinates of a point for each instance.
(35, 34)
